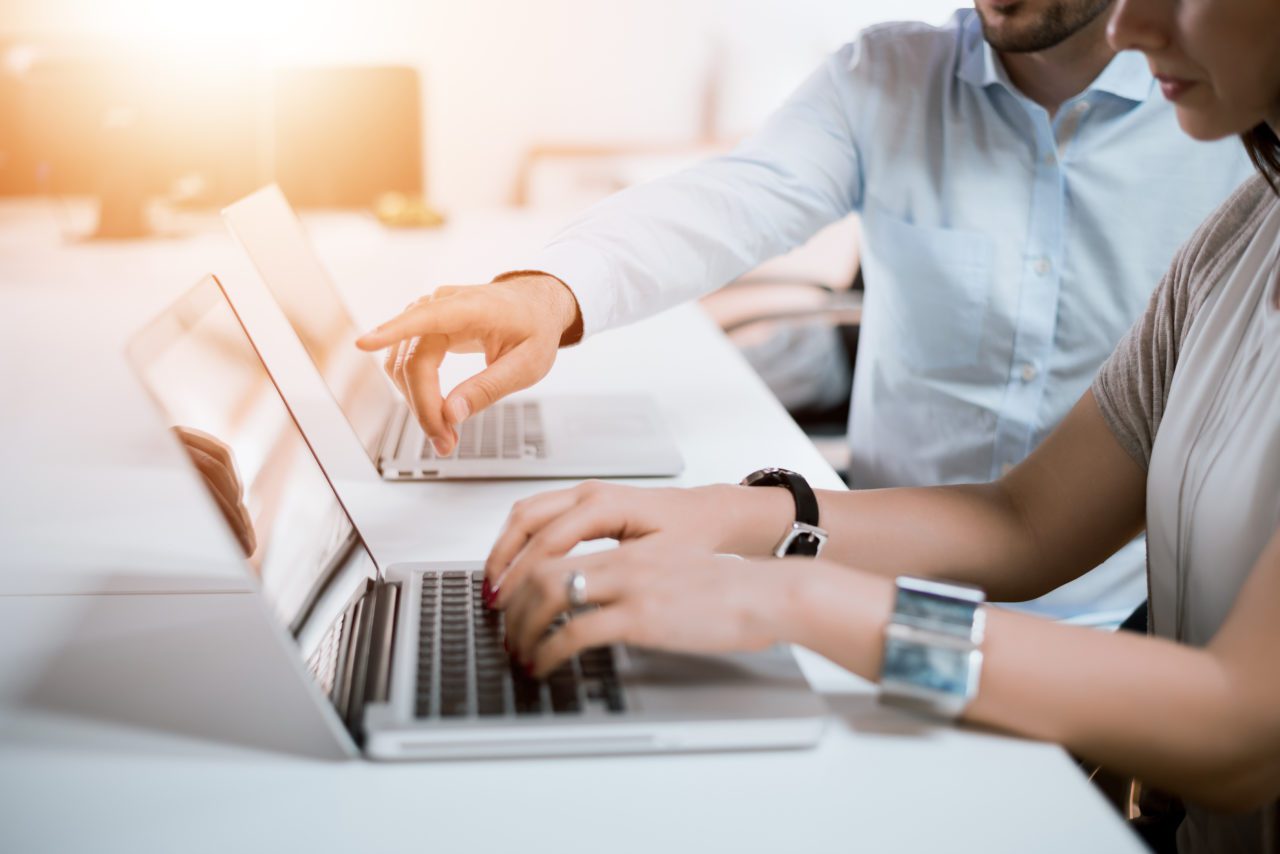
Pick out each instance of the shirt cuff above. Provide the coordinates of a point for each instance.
(588, 275)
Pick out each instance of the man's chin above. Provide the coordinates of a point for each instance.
(1006, 27)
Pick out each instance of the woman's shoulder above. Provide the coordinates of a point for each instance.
(1228, 230)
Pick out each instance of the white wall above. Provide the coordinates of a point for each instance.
(502, 75)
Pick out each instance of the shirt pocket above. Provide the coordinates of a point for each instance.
(934, 285)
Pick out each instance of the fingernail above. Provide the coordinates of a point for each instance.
(528, 669)
(486, 593)
(441, 448)
(459, 409)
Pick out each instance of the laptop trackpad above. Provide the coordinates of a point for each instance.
(753, 684)
(609, 425)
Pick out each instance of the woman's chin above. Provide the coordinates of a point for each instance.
(1199, 126)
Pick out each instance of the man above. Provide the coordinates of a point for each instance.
(1022, 189)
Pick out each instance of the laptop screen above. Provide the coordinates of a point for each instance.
(276, 242)
(201, 368)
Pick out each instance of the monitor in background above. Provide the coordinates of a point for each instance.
(101, 119)
(346, 135)
(201, 129)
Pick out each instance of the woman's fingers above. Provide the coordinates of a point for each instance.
(544, 595)
(526, 517)
(587, 629)
(217, 476)
(225, 490)
(586, 520)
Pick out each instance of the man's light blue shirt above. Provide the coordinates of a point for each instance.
(1005, 252)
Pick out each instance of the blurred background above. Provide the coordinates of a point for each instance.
(464, 105)
(131, 119)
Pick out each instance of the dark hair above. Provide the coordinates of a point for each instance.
(1264, 150)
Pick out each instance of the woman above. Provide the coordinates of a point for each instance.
(1180, 435)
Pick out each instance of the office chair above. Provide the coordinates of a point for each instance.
(811, 328)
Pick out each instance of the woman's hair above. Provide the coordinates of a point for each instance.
(1264, 150)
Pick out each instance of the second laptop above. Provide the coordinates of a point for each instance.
(523, 437)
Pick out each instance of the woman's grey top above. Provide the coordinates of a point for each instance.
(1193, 394)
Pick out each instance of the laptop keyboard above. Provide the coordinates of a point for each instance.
(505, 431)
(463, 670)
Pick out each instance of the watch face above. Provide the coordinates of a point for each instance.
(937, 613)
(933, 668)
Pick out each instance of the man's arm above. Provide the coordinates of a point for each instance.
(640, 251)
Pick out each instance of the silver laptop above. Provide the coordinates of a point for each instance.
(522, 437)
(407, 658)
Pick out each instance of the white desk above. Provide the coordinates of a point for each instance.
(107, 545)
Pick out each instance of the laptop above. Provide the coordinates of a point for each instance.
(521, 437)
(406, 661)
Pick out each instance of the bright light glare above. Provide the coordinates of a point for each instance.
(185, 20)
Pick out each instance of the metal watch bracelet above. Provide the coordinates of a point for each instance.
(933, 647)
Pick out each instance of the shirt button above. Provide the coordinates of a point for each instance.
(1080, 108)
(1050, 159)
(1042, 266)
(1029, 372)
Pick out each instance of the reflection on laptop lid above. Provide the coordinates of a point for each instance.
(206, 377)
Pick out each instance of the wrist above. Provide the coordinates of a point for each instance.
(753, 518)
(558, 297)
(838, 612)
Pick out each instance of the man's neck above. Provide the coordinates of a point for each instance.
(1050, 77)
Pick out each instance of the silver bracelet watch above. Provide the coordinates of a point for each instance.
(933, 647)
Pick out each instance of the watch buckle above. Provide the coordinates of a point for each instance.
(801, 530)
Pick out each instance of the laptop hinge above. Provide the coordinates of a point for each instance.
(392, 435)
(366, 670)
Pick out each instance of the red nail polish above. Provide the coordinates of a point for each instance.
(528, 670)
(486, 592)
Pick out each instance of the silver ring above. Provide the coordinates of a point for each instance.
(576, 586)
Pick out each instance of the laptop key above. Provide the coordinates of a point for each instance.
(613, 696)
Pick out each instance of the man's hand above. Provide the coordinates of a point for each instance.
(517, 322)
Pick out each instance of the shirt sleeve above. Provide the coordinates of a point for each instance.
(671, 240)
(1132, 385)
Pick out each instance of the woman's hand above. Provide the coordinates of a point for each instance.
(702, 520)
(217, 466)
(654, 595)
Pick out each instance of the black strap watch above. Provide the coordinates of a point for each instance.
(804, 537)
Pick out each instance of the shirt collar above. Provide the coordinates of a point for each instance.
(1126, 76)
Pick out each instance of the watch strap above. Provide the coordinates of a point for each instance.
(801, 492)
(804, 537)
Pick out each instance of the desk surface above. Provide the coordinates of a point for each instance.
(102, 534)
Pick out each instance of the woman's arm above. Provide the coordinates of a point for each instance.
(1073, 502)
(1203, 723)
(1077, 499)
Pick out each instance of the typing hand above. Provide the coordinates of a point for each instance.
(518, 323)
(217, 466)
(549, 525)
(657, 596)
